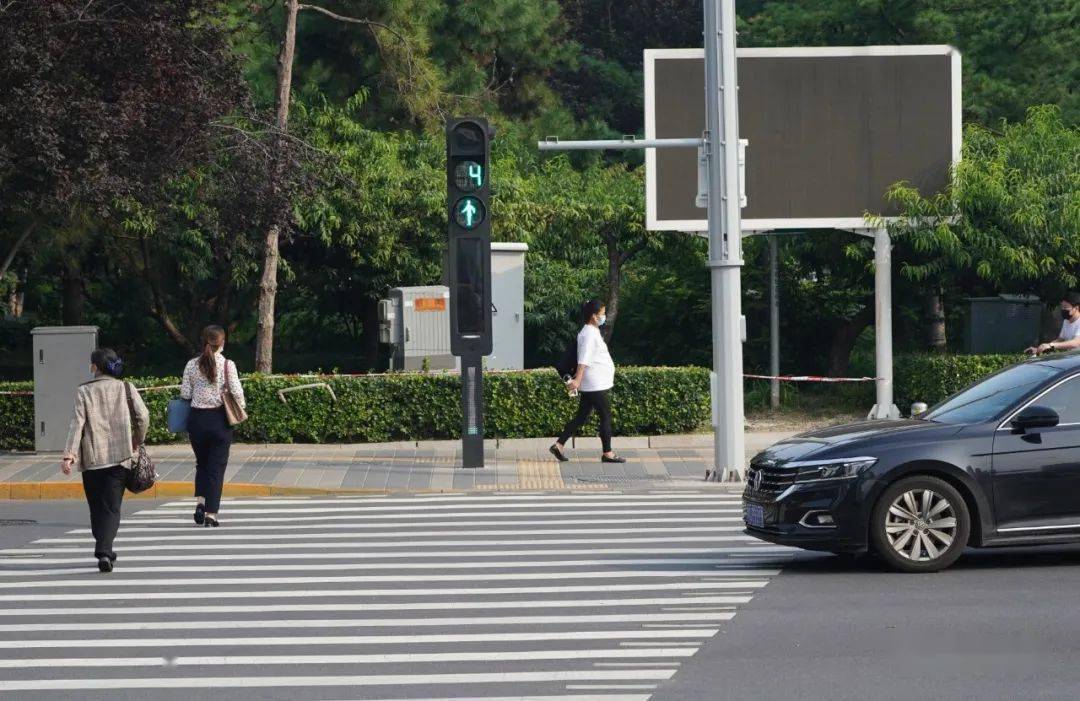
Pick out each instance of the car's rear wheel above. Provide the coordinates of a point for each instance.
(920, 524)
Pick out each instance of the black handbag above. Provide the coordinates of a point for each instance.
(143, 473)
(566, 365)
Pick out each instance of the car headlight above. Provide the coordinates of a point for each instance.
(829, 470)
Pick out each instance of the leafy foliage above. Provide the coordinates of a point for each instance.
(1012, 215)
(932, 378)
(415, 406)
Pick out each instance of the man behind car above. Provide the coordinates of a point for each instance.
(1069, 338)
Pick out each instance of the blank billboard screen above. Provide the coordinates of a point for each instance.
(829, 130)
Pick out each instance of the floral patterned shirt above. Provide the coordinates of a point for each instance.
(205, 394)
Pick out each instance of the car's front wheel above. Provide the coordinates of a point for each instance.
(920, 524)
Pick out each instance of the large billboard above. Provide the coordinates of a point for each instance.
(829, 130)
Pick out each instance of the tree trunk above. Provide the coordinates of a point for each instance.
(72, 300)
(844, 339)
(614, 282)
(935, 316)
(17, 296)
(10, 257)
(158, 309)
(264, 340)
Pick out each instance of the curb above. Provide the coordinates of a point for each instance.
(42, 491)
(29, 491)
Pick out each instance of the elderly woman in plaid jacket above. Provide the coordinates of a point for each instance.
(108, 425)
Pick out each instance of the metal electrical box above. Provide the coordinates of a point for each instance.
(415, 322)
(1003, 324)
(508, 306)
(61, 364)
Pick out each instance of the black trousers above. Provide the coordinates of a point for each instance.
(211, 437)
(104, 494)
(591, 401)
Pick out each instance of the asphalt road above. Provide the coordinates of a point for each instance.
(1000, 624)
(748, 623)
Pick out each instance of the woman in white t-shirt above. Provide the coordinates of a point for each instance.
(1069, 338)
(594, 379)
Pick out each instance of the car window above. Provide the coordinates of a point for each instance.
(993, 396)
(1065, 400)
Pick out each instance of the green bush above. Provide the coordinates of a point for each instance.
(930, 378)
(416, 406)
(16, 416)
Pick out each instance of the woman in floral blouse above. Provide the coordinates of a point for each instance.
(208, 427)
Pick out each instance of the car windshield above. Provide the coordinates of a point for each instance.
(992, 396)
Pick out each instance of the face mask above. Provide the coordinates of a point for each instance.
(1066, 315)
(602, 319)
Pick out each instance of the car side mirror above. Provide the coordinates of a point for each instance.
(918, 409)
(1035, 417)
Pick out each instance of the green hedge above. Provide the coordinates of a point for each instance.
(16, 416)
(931, 378)
(415, 406)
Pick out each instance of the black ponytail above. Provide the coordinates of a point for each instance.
(107, 362)
(589, 309)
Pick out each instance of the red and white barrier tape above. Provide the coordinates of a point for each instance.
(811, 378)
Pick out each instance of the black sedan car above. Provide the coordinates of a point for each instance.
(996, 464)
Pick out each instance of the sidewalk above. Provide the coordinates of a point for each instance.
(427, 466)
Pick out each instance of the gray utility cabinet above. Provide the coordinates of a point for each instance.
(1003, 324)
(508, 302)
(61, 364)
(415, 322)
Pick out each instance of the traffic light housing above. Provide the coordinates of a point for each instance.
(468, 188)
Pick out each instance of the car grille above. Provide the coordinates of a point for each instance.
(766, 480)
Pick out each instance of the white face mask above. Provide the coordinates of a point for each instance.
(601, 319)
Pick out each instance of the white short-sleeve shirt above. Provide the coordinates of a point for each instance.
(593, 353)
(1070, 330)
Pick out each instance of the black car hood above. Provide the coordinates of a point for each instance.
(834, 440)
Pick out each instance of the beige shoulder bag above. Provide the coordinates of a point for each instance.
(233, 411)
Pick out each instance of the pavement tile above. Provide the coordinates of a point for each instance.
(442, 478)
(266, 473)
(354, 478)
(331, 478)
(465, 478)
(421, 477)
(376, 477)
(288, 476)
(399, 476)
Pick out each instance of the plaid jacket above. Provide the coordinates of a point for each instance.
(103, 429)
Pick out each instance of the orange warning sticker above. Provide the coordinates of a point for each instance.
(431, 304)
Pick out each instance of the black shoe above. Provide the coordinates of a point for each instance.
(558, 454)
(200, 514)
(104, 564)
(617, 458)
(211, 522)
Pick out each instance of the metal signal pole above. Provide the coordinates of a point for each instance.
(725, 235)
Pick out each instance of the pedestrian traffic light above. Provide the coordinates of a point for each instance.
(468, 190)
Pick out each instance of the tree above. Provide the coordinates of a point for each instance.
(598, 205)
(103, 101)
(1011, 217)
(280, 203)
(1008, 45)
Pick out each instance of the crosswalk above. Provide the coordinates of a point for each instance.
(494, 596)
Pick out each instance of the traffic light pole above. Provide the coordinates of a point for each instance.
(468, 190)
(472, 410)
(721, 147)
